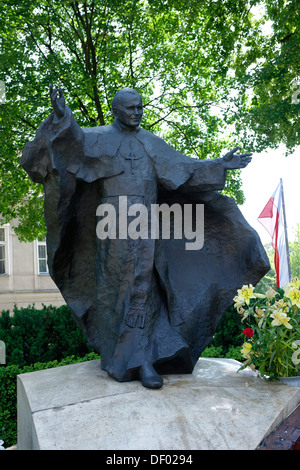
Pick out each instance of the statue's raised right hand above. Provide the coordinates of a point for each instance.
(58, 101)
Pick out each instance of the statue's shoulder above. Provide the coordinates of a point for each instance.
(144, 132)
(148, 136)
(153, 142)
(100, 130)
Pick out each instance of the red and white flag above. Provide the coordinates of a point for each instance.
(273, 219)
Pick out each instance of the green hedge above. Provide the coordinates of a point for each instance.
(44, 335)
(228, 336)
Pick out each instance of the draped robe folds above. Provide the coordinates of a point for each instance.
(145, 299)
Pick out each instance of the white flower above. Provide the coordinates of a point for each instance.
(1, 447)
(295, 356)
(271, 293)
(280, 318)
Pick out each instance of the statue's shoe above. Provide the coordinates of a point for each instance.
(149, 377)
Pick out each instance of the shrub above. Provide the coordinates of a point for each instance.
(49, 334)
(228, 333)
(212, 351)
(234, 352)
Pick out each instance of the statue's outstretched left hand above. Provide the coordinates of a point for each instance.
(233, 161)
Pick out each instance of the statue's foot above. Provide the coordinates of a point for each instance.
(149, 377)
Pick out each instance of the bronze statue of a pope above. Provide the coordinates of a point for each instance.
(147, 304)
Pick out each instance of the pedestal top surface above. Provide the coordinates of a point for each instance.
(80, 407)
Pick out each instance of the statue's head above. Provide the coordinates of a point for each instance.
(127, 107)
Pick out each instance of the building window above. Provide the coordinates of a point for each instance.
(3, 251)
(42, 257)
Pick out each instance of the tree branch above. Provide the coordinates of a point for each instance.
(172, 123)
(176, 108)
(130, 54)
(26, 122)
(90, 57)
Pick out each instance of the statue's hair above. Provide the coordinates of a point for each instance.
(119, 93)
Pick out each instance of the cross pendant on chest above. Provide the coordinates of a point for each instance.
(132, 157)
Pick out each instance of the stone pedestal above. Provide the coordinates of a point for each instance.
(79, 407)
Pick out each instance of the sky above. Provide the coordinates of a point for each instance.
(260, 179)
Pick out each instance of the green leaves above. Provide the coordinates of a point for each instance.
(208, 75)
(267, 86)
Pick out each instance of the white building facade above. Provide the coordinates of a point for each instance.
(24, 276)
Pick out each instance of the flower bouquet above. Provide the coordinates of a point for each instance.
(272, 330)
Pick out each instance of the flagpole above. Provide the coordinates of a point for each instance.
(285, 231)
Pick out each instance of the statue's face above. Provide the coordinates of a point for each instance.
(129, 111)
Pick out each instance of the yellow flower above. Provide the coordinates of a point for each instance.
(280, 318)
(295, 282)
(260, 313)
(292, 291)
(241, 311)
(280, 305)
(245, 294)
(294, 294)
(246, 348)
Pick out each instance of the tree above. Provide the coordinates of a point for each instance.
(268, 72)
(188, 59)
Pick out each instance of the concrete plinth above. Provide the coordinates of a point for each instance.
(79, 407)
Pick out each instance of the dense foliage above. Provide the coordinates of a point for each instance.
(228, 334)
(32, 335)
(210, 73)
